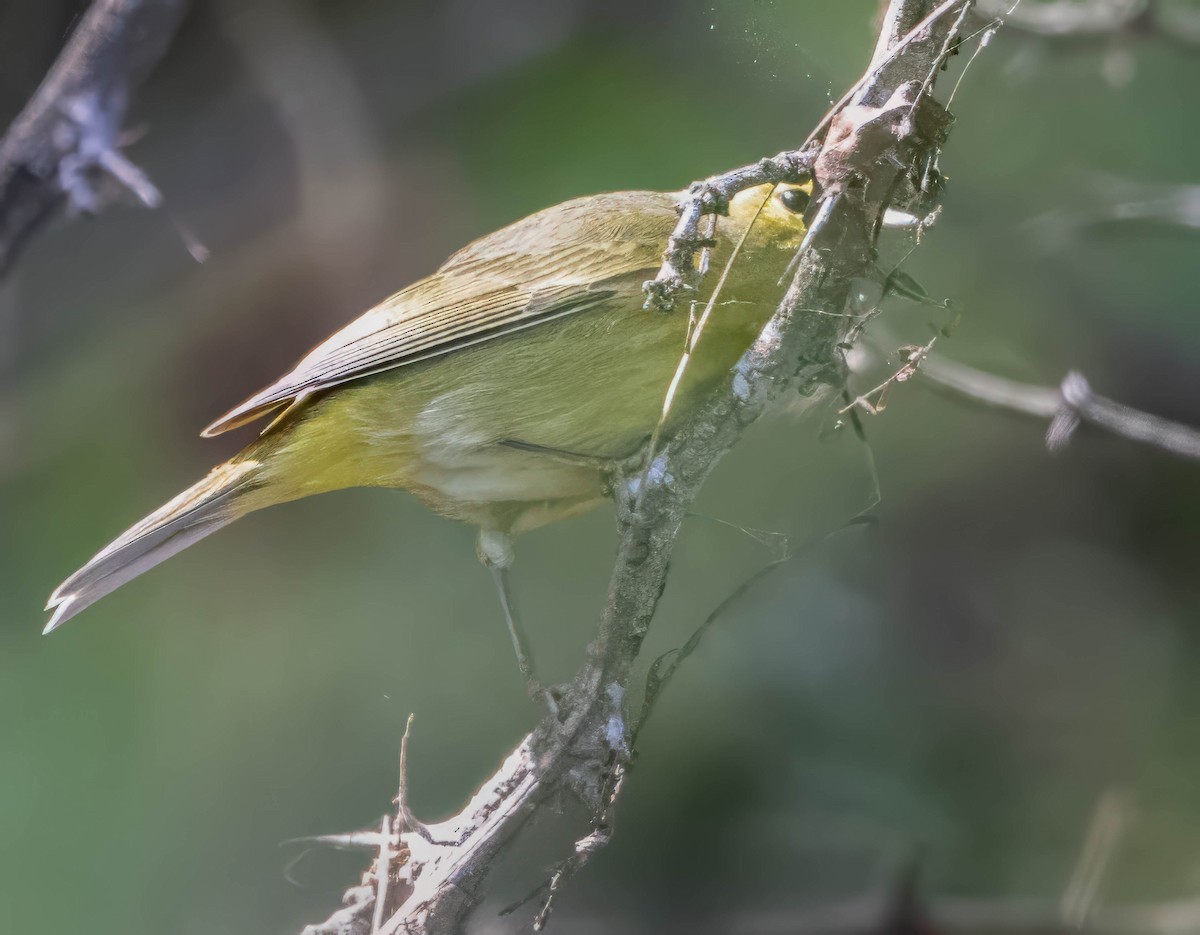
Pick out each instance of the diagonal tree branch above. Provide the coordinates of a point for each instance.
(64, 148)
(874, 151)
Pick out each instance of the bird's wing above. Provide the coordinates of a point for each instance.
(441, 314)
(407, 328)
(535, 270)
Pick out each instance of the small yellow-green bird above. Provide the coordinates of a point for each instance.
(498, 390)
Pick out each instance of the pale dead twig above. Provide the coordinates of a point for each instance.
(912, 356)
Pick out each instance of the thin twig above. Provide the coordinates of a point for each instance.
(595, 840)
(1073, 402)
(679, 270)
(383, 868)
(696, 326)
(912, 356)
(405, 819)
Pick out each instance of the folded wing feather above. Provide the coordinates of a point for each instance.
(497, 286)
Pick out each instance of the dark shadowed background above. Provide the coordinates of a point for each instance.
(1016, 637)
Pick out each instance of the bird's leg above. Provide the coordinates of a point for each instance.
(496, 552)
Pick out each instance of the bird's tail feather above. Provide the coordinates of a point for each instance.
(201, 509)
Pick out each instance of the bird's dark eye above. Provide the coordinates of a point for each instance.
(795, 199)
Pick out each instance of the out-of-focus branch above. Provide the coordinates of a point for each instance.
(1065, 408)
(1098, 19)
(1110, 200)
(1070, 18)
(871, 915)
(898, 906)
(343, 191)
(977, 917)
(873, 152)
(64, 148)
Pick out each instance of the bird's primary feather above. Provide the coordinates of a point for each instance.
(200, 510)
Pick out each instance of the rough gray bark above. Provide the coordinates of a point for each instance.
(63, 149)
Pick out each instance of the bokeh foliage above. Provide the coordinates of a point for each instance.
(1015, 636)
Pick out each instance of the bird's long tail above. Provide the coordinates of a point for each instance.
(198, 511)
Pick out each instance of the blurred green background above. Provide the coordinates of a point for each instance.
(1016, 636)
